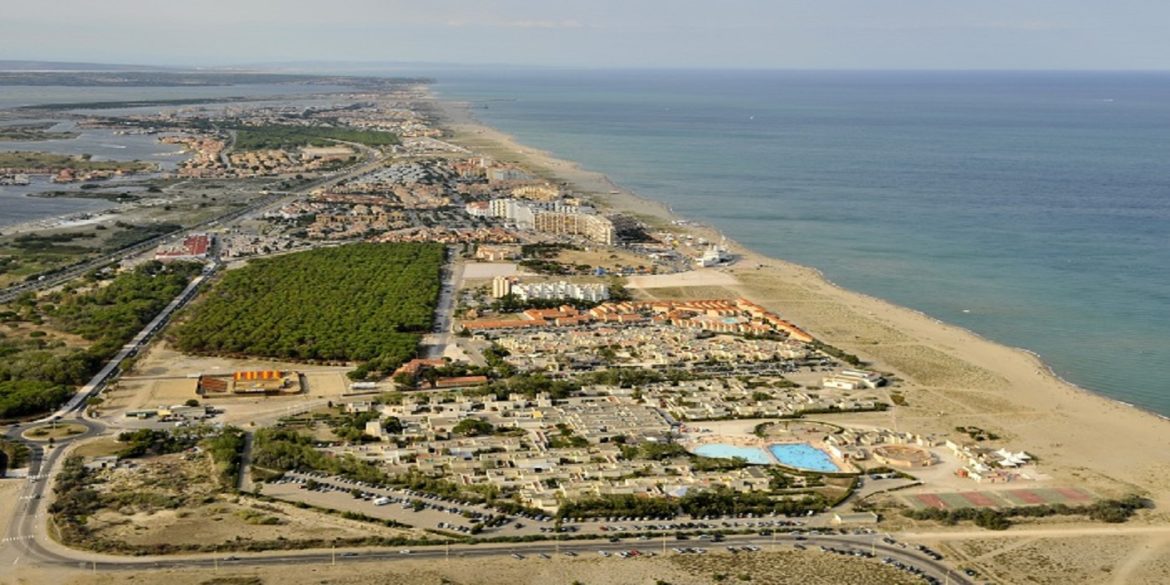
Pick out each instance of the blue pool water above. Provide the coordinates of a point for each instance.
(803, 456)
(753, 455)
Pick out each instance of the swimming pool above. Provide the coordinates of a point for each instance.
(803, 456)
(753, 455)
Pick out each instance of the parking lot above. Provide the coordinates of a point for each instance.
(428, 511)
(404, 506)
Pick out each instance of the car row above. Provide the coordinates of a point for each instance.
(931, 579)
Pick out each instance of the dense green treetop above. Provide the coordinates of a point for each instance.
(362, 302)
(276, 137)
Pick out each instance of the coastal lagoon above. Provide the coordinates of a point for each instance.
(104, 144)
(16, 206)
(1032, 208)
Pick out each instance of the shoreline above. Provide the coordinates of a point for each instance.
(1029, 379)
(736, 246)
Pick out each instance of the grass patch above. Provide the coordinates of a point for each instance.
(46, 432)
(41, 160)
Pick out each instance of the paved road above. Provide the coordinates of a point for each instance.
(57, 278)
(112, 367)
(29, 516)
(435, 343)
(245, 480)
(25, 536)
(529, 551)
(276, 199)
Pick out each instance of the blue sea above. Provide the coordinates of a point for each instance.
(1032, 208)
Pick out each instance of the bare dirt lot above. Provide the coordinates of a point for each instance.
(146, 513)
(702, 277)
(1118, 559)
(165, 377)
(608, 259)
(488, 270)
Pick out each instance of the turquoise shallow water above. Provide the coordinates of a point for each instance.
(803, 456)
(752, 455)
(1032, 208)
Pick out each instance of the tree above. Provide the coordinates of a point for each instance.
(471, 427)
(391, 425)
(325, 304)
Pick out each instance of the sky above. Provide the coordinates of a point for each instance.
(782, 34)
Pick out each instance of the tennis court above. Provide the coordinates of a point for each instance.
(999, 498)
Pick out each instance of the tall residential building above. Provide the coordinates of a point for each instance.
(506, 174)
(519, 212)
(501, 287)
(561, 290)
(595, 227)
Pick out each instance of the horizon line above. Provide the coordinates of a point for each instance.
(271, 66)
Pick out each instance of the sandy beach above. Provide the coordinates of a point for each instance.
(951, 376)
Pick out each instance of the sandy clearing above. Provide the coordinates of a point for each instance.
(702, 277)
(481, 270)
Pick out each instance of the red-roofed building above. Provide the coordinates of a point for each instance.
(193, 247)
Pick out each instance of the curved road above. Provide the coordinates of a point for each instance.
(26, 536)
(35, 552)
(373, 160)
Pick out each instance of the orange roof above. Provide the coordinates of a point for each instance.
(503, 324)
(460, 381)
(414, 365)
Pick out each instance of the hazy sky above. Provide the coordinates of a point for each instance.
(854, 34)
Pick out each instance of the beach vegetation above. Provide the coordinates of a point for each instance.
(37, 373)
(836, 352)
(976, 433)
(1110, 511)
(718, 501)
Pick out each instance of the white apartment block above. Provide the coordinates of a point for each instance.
(560, 290)
(595, 227)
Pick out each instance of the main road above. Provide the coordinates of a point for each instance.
(43, 461)
(26, 537)
(435, 343)
(274, 199)
(32, 550)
